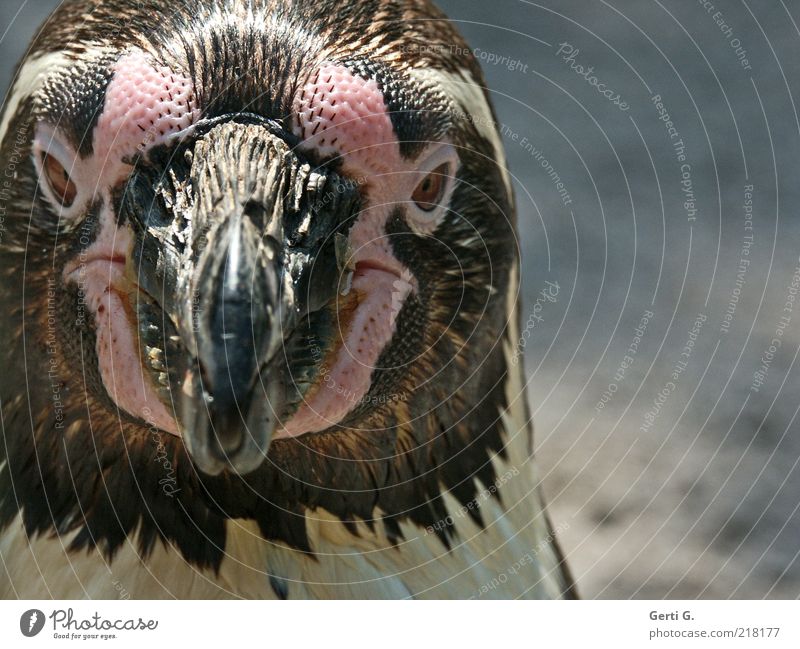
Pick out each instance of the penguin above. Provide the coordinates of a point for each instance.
(260, 280)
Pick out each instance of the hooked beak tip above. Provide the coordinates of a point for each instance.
(219, 436)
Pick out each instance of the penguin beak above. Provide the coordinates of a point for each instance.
(230, 400)
(236, 244)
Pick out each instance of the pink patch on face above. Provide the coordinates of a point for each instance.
(99, 273)
(145, 104)
(339, 113)
(346, 383)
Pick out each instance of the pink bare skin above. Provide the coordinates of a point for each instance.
(338, 114)
(145, 106)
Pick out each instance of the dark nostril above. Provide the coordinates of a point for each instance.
(257, 213)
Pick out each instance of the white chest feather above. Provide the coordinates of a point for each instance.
(509, 557)
(512, 555)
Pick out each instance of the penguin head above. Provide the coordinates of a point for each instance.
(278, 237)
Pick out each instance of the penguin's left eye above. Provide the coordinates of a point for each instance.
(58, 179)
(430, 190)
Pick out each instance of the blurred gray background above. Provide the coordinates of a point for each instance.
(685, 483)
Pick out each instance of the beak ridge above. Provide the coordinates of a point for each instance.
(235, 296)
(228, 237)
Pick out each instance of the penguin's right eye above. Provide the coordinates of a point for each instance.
(60, 183)
(429, 192)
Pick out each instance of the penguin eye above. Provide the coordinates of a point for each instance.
(58, 179)
(429, 192)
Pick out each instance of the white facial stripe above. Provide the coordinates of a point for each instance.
(460, 87)
(31, 77)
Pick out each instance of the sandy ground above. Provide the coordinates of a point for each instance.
(685, 482)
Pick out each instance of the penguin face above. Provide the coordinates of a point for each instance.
(208, 281)
(284, 241)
